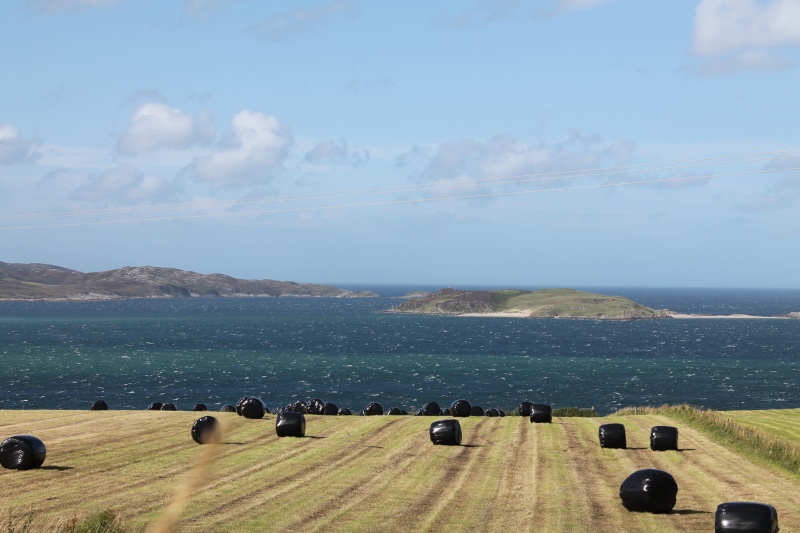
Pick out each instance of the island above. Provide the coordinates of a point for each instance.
(545, 303)
(48, 282)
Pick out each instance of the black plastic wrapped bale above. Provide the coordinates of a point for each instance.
(502, 413)
(477, 410)
(168, 407)
(747, 517)
(344, 411)
(446, 411)
(290, 424)
(431, 409)
(22, 452)
(228, 409)
(524, 409)
(460, 408)
(541, 413)
(99, 405)
(394, 411)
(279, 409)
(663, 438)
(206, 429)
(403, 412)
(239, 404)
(298, 407)
(446, 432)
(373, 409)
(492, 412)
(330, 409)
(649, 491)
(316, 407)
(199, 407)
(155, 406)
(419, 412)
(253, 408)
(612, 436)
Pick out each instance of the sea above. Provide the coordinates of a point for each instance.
(348, 351)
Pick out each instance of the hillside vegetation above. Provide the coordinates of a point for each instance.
(372, 474)
(546, 303)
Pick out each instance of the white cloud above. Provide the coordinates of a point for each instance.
(123, 184)
(55, 6)
(336, 153)
(258, 147)
(158, 126)
(285, 25)
(14, 149)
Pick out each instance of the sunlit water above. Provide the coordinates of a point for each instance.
(131, 353)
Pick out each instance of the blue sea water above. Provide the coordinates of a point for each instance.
(64, 355)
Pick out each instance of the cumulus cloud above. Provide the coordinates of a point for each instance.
(156, 126)
(336, 153)
(287, 24)
(56, 6)
(257, 148)
(14, 149)
(123, 184)
(735, 35)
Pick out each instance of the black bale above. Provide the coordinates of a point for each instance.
(344, 411)
(298, 407)
(253, 408)
(373, 409)
(649, 491)
(663, 438)
(290, 424)
(446, 411)
(524, 409)
(431, 409)
(22, 452)
(492, 412)
(749, 517)
(239, 405)
(612, 436)
(502, 413)
(206, 429)
(330, 409)
(394, 411)
(228, 409)
(477, 410)
(316, 407)
(446, 432)
(460, 408)
(541, 413)
(99, 405)
(419, 412)
(199, 407)
(168, 407)
(155, 406)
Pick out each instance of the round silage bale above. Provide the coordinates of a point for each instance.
(663, 438)
(99, 405)
(419, 412)
(155, 406)
(403, 412)
(22, 452)
(199, 407)
(431, 409)
(492, 412)
(228, 408)
(168, 407)
(330, 409)
(524, 408)
(446, 412)
(316, 407)
(253, 408)
(239, 404)
(649, 491)
(460, 408)
(290, 424)
(298, 407)
(612, 436)
(745, 516)
(344, 411)
(373, 409)
(446, 432)
(502, 413)
(394, 411)
(477, 410)
(541, 413)
(206, 429)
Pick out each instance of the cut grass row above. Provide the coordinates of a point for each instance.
(374, 473)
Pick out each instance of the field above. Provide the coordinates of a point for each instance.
(373, 474)
(780, 424)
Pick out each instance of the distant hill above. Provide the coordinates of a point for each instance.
(48, 282)
(547, 303)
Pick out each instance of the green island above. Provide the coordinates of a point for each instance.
(545, 303)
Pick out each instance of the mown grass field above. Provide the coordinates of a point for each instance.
(374, 474)
(781, 424)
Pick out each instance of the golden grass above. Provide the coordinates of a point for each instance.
(370, 474)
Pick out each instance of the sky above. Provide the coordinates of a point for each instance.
(578, 143)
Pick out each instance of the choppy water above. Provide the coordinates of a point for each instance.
(65, 355)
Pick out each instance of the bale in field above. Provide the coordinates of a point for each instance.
(239, 404)
(460, 408)
(155, 406)
(316, 407)
(228, 409)
(747, 517)
(206, 429)
(253, 408)
(330, 409)
(612, 436)
(373, 409)
(492, 412)
(663, 438)
(99, 405)
(168, 407)
(403, 412)
(446, 411)
(524, 409)
(446, 432)
(502, 413)
(22, 452)
(199, 407)
(394, 411)
(290, 424)
(431, 409)
(298, 407)
(477, 410)
(541, 413)
(344, 411)
(649, 491)
(419, 412)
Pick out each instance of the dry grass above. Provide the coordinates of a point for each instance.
(371, 474)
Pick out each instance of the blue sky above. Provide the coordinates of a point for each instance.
(350, 141)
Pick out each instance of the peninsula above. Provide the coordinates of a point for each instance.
(48, 282)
